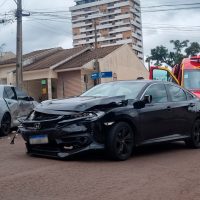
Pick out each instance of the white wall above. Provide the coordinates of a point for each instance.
(124, 63)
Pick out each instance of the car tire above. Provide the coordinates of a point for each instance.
(194, 140)
(120, 141)
(5, 125)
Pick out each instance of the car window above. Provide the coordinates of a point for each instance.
(177, 93)
(9, 93)
(158, 93)
(20, 93)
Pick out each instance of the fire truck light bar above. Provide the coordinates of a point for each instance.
(197, 60)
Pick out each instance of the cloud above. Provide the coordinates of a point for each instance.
(39, 33)
(156, 35)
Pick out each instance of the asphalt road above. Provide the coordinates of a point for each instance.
(167, 171)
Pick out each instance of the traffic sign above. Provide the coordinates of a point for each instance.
(106, 74)
(96, 75)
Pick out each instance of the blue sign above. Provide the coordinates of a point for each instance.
(97, 75)
(106, 74)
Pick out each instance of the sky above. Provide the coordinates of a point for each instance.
(40, 33)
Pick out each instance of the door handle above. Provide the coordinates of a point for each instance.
(191, 105)
(169, 108)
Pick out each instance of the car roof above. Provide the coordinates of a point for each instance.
(148, 82)
(141, 81)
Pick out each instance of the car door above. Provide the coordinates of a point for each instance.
(155, 116)
(25, 104)
(10, 98)
(181, 113)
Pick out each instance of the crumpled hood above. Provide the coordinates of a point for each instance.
(77, 103)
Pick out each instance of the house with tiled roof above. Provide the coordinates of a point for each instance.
(6, 55)
(61, 73)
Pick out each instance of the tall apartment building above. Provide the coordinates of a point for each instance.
(117, 22)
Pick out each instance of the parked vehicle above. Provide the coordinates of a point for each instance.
(115, 116)
(187, 74)
(14, 103)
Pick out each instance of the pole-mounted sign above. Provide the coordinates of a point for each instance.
(97, 75)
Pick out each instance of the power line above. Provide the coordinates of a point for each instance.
(171, 5)
(49, 19)
(155, 6)
(56, 11)
(170, 9)
(52, 9)
(61, 12)
(173, 30)
(51, 29)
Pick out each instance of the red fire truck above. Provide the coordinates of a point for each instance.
(187, 74)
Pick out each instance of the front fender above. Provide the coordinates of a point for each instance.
(129, 115)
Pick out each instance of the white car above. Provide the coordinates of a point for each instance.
(14, 103)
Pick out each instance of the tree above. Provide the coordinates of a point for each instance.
(179, 49)
(193, 49)
(159, 54)
(179, 46)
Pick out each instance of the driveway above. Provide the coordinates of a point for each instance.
(167, 171)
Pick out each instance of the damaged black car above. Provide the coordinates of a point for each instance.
(116, 117)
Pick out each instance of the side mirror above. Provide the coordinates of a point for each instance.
(147, 99)
(31, 99)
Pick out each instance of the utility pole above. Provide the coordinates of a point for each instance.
(19, 67)
(95, 34)
(96, 64)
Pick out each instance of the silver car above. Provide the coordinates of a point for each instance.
(14, 103)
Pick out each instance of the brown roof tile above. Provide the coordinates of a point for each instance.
(88, 56)
(53, 59)
(25, 56)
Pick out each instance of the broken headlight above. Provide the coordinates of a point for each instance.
(89, 115)
(96, 115)
(74, 128)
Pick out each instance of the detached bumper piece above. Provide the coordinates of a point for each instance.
(62, 148)
(57, 153)
(60, 145)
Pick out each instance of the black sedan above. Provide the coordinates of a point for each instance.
(115, 116)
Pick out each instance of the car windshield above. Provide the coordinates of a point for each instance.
(192, 79)
(128, 89)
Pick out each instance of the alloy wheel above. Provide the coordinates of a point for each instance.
(120, 141)
(196, 133)
(124, 141)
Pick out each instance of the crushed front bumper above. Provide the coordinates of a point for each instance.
(61, 144)
(59, 152)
